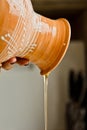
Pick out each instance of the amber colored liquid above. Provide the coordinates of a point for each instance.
(46, 101)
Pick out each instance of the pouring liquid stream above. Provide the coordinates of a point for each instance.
(46, 101)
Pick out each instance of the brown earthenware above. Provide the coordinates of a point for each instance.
(24, 33)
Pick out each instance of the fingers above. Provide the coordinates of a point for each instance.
(8, 64)
(22, 61)
(12, 60)
(0, 65)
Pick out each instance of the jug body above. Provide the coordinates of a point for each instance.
(26, 34)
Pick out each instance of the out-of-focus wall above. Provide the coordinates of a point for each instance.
(52, 5)
(21, 94)
(58, 85)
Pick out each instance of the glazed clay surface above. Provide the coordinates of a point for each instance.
(24, 33)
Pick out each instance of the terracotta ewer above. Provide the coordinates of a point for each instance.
(24, 33)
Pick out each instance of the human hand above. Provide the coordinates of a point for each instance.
(9, 64)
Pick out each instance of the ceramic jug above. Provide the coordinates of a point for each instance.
(26, 34)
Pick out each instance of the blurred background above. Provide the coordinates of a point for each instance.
(21, 89)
